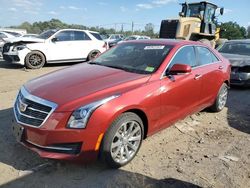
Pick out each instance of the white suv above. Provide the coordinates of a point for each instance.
(54, 46)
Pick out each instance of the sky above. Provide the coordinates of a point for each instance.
(110, 13)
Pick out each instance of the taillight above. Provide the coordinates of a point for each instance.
(105, 45)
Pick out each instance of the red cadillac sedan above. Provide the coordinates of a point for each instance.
(106, 107)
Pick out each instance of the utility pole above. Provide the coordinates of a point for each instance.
(132, 27)
(122, 28)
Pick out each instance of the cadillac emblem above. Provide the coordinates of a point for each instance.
(22, 106)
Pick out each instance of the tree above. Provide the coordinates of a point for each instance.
(232, 30)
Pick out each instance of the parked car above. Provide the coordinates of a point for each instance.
(1, 46)
(133, 37)
(6, 34)
(136, 37)
(30, 35)
(108, 106)
(113, 43)
(238, 53)
(54, 46)
(113, 37)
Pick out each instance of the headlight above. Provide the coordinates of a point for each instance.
(80, 117)
(18, 48)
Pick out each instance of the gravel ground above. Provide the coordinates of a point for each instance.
(204, 150)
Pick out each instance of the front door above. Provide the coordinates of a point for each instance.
(180, 95)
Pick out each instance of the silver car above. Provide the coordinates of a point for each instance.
(238, 53)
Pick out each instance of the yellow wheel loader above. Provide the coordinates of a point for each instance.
(197, 22)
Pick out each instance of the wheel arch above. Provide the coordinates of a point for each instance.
(143, 117)
(37, 51)
(95, 50)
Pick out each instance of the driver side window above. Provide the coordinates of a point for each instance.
(186, 56)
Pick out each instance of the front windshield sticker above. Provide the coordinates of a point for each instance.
(154, 47)
(149, 69)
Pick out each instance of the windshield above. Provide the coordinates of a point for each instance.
(47, 34)
(142, 58)
(194, 10)
(236, 48)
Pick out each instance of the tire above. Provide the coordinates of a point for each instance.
(93, 54)
(221, 99)
(123, 140)
(35, 60)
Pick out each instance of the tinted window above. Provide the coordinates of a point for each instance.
(47, 34)
(236, 48)
(65, 36)
(185, 56)
(96, 35)
(80, 35)
(13, 33)
(143, 58)
(2, 35)
(205, 56)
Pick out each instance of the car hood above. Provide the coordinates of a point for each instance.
(237, 60)
(84, 83)
(24, 40)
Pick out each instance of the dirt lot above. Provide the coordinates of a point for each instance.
(204, 150)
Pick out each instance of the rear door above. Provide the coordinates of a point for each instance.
(180, 94)
(82, 45)
(211, 69)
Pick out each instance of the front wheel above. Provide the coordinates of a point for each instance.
(35, 60)
(122, 140)
(221, 99)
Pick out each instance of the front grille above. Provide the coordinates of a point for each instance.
(168, 28)
(32, 112)
(6, 47)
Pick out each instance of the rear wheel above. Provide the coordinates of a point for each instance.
(35, 60)
(221, 99)
(123, 140)
(93, 54)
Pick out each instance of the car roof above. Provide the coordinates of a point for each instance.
(173, 42)
(238, 41)
(78, 30)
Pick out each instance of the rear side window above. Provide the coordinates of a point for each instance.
(205, 56)
(65, 36)
(96, 35)
(185, 56)
(80, 35)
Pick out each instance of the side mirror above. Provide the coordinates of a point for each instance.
(181, 14)
(54, 39)
(180, 68)
(222, 11)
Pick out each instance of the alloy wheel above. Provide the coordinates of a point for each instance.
(35, 59)
(126, 142)
(223, 98)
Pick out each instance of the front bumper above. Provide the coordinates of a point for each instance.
(54, 141)
(240, 78)
(17, 57)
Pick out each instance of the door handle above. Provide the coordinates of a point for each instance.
(197, 76)
(221, 67)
